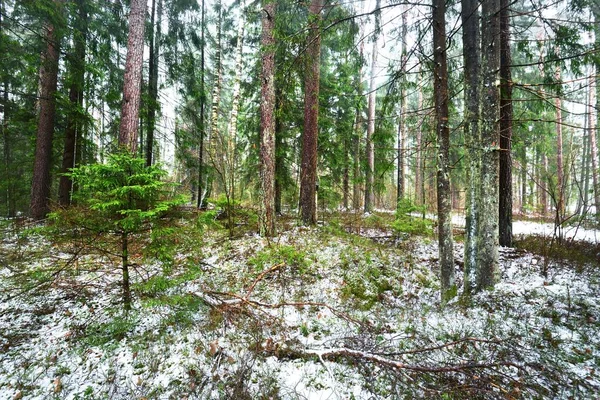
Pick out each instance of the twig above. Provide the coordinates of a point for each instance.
(261, 276)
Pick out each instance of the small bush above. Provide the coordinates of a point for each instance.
(406, 222)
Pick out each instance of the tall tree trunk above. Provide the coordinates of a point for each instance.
(213, 133)
(471, 59)
(506, 198)
(74, 123)
(487, 243)
(279, 159)
(308, 174)
(524, 181)
(201, 187)
(594, 147)
(419, 170)
(155, 37)
(370, 148)
(401, 122)
(440, 90)
(267, 122)
(128, 130)
(560, 174)
(40, 187)
(358, 127)
(544, 185)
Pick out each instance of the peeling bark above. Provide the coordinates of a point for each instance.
(128, 130)
(267, 122)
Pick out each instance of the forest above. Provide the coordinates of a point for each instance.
(319, 199)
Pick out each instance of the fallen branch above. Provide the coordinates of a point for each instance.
(387, 362)
(261, 276)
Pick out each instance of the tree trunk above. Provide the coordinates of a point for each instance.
(419, 170)
(487, 243)
(524, 181)
(560, 175)
(128, 130)
(267, 122)
(279, 159)
(40, 187)
(440, 90)
(370, 148)
(357, 135)
(200, 201)
(155, 37)
(125, 270)
(401, 122)
(213, 133)
(308, 174)
(505, 199)
(471, 57)
(594, 147)
(543, 185)
(74, 123)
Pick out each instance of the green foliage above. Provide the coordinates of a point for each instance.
(285, 254)
(364, 280)
(406, 222)
(99, 334)
(122, 195)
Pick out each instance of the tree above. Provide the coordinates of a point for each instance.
(308, 172)
(471, 59)
(505, 189)
(370, 149)
(122, 198)
(153, 62)
(267, 122)
(74, 129)
(487, 243)
(128, 130)
(401, 117)
(440, 87)
(40, 187)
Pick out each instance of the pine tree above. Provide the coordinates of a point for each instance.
(308, 171)
(267, 121)
(128, 130)
(40, 187)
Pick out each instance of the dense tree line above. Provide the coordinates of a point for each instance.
(292, 107)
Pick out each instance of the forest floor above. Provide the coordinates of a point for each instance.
(346, 310)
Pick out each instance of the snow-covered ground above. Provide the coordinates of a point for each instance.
(321, 314)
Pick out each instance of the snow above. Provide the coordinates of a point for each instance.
(369, 300)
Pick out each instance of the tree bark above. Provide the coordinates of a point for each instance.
(357, 135)
(471, 59)
(74, 123)
(153, 62)
(267, 122)
(487, 243)
(560, 174)
(506, 197)
(370, 149)
(440, 89)
(308, 174)
(40, 187)
(128, 130)
(401, 118)
(594, 147)
(199, 197)
(419, 170)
